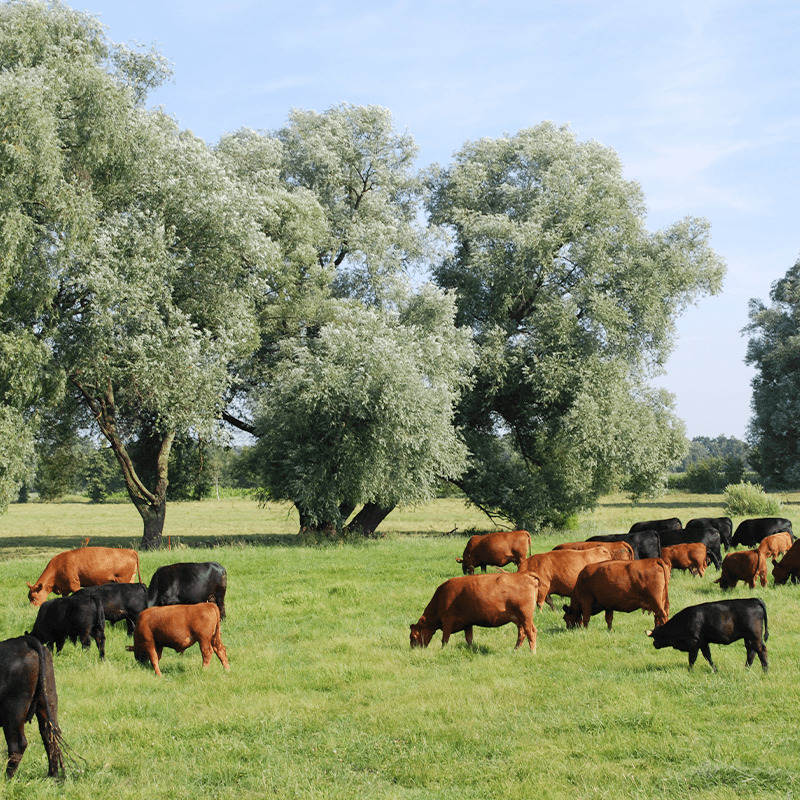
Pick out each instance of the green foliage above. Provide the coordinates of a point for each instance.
(711, 475)
(774, 351)
(748, 500)
(102, 475)
(721, 447)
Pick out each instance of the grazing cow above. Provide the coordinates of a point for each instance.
(723, 526)
(620, 586)
(75, 617)
(708, 536)
(121, 601)
(720, 622)
(28, 687)
(619, 551)
(178, 627)
(486, 600)
(775, 545)
(559, 569)
(87, 566)
(788, 567)
(691, 556)
(189, 583)
(645, 544)
(750, 532)
(746, 565)
(657, 525)
(495, 549)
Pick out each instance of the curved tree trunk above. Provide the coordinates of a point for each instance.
(368, 519)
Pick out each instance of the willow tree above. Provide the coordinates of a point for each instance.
(572, 305)
(129, 254)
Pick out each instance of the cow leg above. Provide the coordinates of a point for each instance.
(207, 651)
(526, 629)
(15, 738)
(549, 601)
(446, 631)
(753, 647)
(468, 634)
(693, 657)
(48, 733)
(100, 640)
(609, 618)
(222, 655)
(155, 657)
(707, 654)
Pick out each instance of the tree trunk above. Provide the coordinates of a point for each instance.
(153, 517)
(368, 519)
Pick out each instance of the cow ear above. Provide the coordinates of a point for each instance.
(29, 585)
(460, 560)
(649, 633)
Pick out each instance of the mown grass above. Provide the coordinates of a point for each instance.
(325, 699)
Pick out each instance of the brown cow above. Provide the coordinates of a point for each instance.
(744, 565)
(559, 569)
(620, 551)
(692, 556)
(495, 549)
(620, 586)
(486, 600)
(776, 545)
(178, 627)
(87, 566)
(788, 566)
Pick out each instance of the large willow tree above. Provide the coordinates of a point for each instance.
(129, 257)
(572, 304)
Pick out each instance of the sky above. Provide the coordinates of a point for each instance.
(699, 99)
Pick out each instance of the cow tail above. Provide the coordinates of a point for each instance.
(529, 545)
(764, 609)
(53, 732)
(667, 573)
(138, 573)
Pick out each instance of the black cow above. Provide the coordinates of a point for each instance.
(750, 532)
(657, 525)
(28, 687)
(77, 616)
(645, 544)
(723, 526)
(189, 583)
(121, 601)
(721, 622)
(708, 536)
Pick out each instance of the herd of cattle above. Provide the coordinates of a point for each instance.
(620, 572)
(183, 604)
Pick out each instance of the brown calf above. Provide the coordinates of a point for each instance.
(559, 569)
(87, 566)
(494, 549)
(620, 586)
(776, 545)
(178, 627)
(620, 551)
(485, 600)
(689, 555)
(744, 565)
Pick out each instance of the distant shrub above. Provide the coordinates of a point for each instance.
(749, 499)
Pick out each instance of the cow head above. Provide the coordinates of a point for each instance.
(572, 616)
(140, 655)
(781, 574)
(37, 594)
(658, 640)
(467, 567)
(420, 635)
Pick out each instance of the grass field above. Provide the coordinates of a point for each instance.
(325, 699)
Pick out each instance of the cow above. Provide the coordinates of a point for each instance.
(645, 544)
(486, 600)
(620, 551)
(723, 526)
(76, 617)
(657, 525)
(788, 567)
(187, 583)
(87, 566)
(620, 586)
(178, 627)
(776, 544)
(28, 687)
(559, 569)
(750, 532)
(745, 565)
(721, 622)
(494, 549)
(121, 601)
(708, 536)
(691, 556)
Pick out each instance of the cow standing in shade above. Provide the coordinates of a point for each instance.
(28, 687)
(488, 601)
(87, 566)
(188, 583)
(494, 549)
(722, 622)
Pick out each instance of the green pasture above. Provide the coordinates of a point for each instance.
(325, 699)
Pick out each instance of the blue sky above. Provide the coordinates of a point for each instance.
(699, 99)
